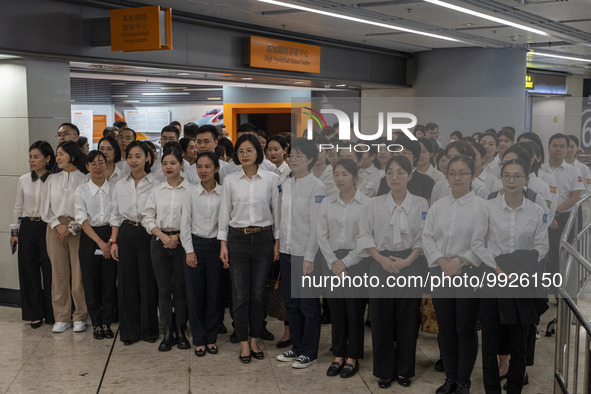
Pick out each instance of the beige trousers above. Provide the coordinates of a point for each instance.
(65, 266)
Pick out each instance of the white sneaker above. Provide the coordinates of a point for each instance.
(61, 326)
(79, 326)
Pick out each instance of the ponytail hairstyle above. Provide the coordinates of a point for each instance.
(216, 163)
(147, 152)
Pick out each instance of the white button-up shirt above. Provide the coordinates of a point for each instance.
(190, 172)
(128, 201)
(231, 167)
(377, 227)
(28, 197)
(327, 177)
(449, 227)
(59, 199)
(568, 179)
(123, 166)
(338, 228)
(250, 202)
(585, 173)
(201, 211)
(488, 180)
(284, 171)
(93, 203)
(373, 176)
(117, 175)
(300, 202)
(502, 230)
(494, 167)
(434, 173)
(164, 207)
(442, 189)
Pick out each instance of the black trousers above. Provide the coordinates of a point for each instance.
(346, 314)
(204, 291)
(554, 242)
(457, 316)
(168, 267)
(395, 321)
(492, 335)
(250, 257)
(99, 276)
(34, 272)
(303, 310)
(138, 292)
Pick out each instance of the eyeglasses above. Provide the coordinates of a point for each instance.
(96, 164)
(297, 157)
(60, 135)
(456, 174)
(241, 152)
(517, 177)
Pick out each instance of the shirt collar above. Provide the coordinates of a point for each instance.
(507, 207)
(406, 203)
(242, 174)
(43, 177)
(464, 199)
(357, 197)
(166, 185)
(370, 169)
(94, 189)
(217, 189)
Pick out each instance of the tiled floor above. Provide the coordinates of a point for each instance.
(40, 361)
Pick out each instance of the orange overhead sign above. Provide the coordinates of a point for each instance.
(141, 29)
(284, 55)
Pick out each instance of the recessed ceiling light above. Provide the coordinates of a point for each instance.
(485, 16)
(214, 98)
(247, 79)
(183, 74)
(341, 86)
(298, 82)
(98, 66)
(359, 20)
(577, 59)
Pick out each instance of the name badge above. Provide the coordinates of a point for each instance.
(318, 199)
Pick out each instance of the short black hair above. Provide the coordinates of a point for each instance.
(247, 128)
(172, 148)
(431, 126)
(349, 165)
(531, 136)
(81, 141)
(46, 150)
(506, 133)
(493, 135)
(109, 130)
(175, 123)
(426, 142)
(574, 139)
(170, 129)
(480, 148)
(70, 125)
(464, 149)
(253, 140)
(73, 150)
(412, 146)
(128, 129)
(190, 130)
(402, 161)
(557, 136)
(280, 140)
(465, 159)
(208, 129)
(184, 143)
(114, 145)
(227, 145)
(93, 154)
(457, 134)
(307, 147)
(120, 124)
(519, 162)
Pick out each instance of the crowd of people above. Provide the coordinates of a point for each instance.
(132, 233)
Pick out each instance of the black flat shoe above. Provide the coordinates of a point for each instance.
(36, 324)
(200, 352)
(108, 332)
(385, 383)
(266, 335)
(244, 359)
(404, 382)
(129, 342)
(98, 333)
(448, 387)
(51, 322)
(335, 368)
(349, 370)
(257, 355)
(282, 344)
(213, 349)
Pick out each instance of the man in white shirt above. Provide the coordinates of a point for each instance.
(168, 134)
(432, 131)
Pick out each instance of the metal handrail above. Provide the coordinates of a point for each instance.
(575, 261)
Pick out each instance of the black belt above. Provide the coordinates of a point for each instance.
(131, 223)
(251, 230)
(177, 232)
(31, 218)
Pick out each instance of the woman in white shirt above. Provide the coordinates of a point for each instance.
(509, 223)
(99, 271)
(249, 235)
(190, 160)
(28, 230)
(130, 245)
(63, 239)
(390, 231)
(300, 200)
(203, 270)
(276, 151)
(161, 217)
(424, 165)
(338, 227)
(447, 235)
(109, 147)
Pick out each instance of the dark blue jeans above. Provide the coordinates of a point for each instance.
(303, 314)
(169, 272)
(204, 295)
(250, 257)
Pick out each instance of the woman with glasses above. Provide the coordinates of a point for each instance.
(511, 231)
(447, 235)
(27, 233)
(63, 239)
(109, 147)
(99, 272)
(249, 235)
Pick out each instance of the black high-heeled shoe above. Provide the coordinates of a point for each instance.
(36, 324)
